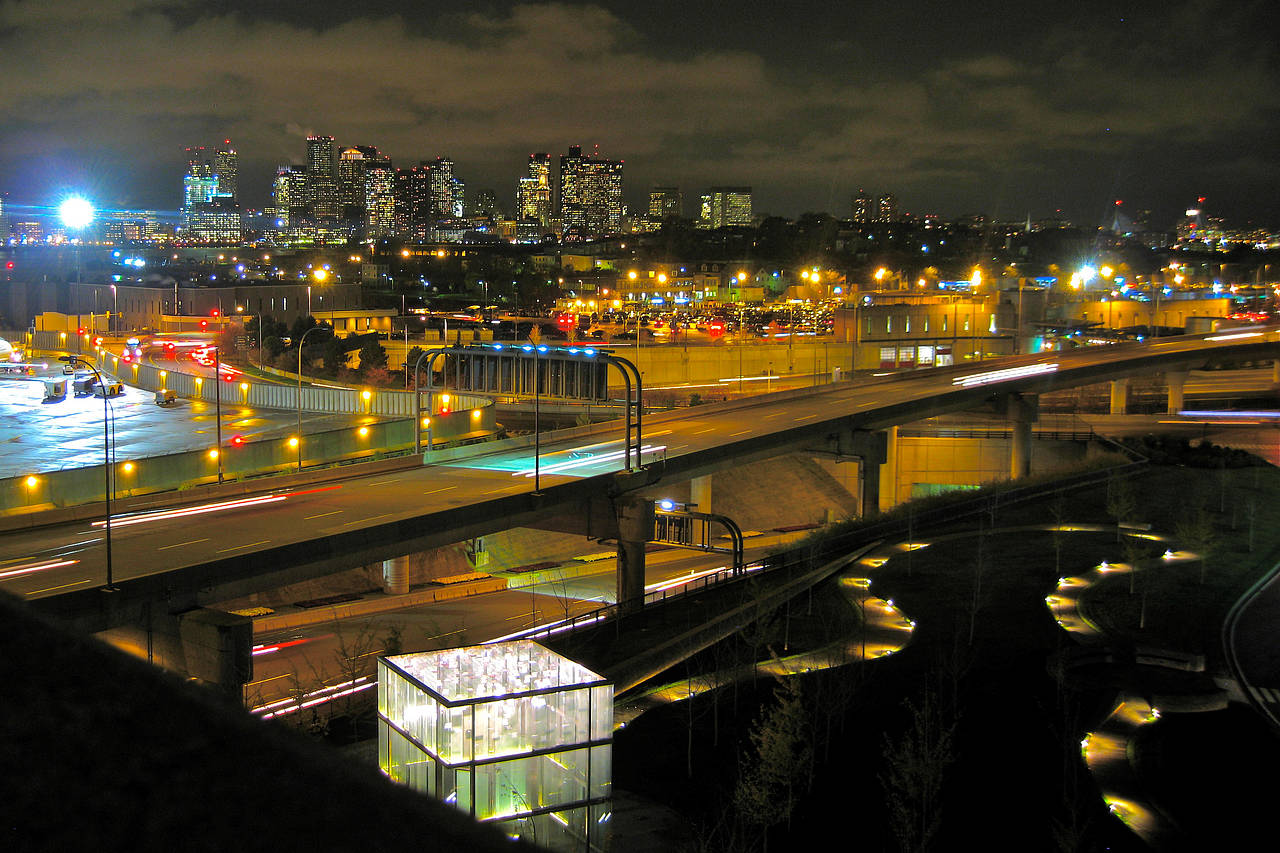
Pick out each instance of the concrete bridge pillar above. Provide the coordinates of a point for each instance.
(209, 645)
(635, 529)
(395, 576)
(700, 493)
(1120, 396)
(1023, 410)
(1177, 381)
(871, 449)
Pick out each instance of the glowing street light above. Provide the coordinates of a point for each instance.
(76, 213)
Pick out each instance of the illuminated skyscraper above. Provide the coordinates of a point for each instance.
(379, 197)
(320, 156)
(413, 202)
(590, 192)
(887, 208)
(666, 203)
(321, 179)
(200, 183)
(208, 215)
(446, 190)
(226, 167)
(289, 196)
(533, 197)
(862, 207)
(725, 206)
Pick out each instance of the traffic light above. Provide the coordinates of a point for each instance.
(204, 324)
(237, 440)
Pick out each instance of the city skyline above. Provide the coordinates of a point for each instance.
(1019, 111)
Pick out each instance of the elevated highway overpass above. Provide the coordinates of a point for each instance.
(176, 561)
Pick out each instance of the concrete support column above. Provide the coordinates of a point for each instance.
(700, 493)
(635, 529)
(1177, 382)
(395, 576)
(1120, 396)
(1022, 410)
(218, 648)
(888, 492)
(871, 450)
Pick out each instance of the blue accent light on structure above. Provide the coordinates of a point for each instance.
(588, 351)
(543, 348)
(527, 348)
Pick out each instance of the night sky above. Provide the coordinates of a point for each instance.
(1021, 107)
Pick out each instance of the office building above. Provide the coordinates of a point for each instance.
(590, 193)
(533, 196)
(725, 206)
(379, 198)
(413, 202)
(665, 203)
(863, 209)
(226, 168)
(887, 208)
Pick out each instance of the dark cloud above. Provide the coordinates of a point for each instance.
(1027, 107)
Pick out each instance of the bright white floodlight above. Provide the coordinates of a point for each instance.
(76, 212)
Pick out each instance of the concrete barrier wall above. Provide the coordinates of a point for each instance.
(332, 399)
(76, 486)
(671, 364)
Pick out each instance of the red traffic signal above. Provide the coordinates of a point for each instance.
(204, 324)
(237, 440)
(213, 313)
(8, 265)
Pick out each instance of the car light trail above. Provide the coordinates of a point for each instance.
(315, 697)
(1235, 336)
(1209, 413)
(560, 467)
(30, 568)
(163, 515)
(975, 379)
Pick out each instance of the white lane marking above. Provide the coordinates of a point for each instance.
(322, 515)
(242, 547)
(182, 544)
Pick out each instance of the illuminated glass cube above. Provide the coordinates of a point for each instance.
(510, 732)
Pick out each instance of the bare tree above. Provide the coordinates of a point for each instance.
(916, 763)
(1122, 502)
(1194, 529)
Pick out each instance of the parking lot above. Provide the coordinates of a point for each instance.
(38, 436)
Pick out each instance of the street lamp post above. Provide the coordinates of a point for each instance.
(106, 453)
(301, 341)
(217, 405)
(537, 413)
(113, 320)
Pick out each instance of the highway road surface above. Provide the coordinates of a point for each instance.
(323, 523)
